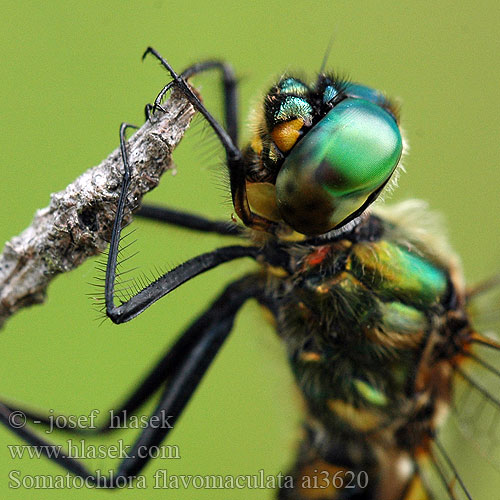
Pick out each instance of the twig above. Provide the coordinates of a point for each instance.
(77, 223)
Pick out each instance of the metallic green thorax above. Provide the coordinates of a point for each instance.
(394, 272)
(356, 320)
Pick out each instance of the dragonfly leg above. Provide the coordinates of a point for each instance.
(234, 158)
(181, 370)
(188, 220)
(177, 217)
(230, 93)
(170, 280)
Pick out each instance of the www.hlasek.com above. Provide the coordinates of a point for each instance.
(80, 449)
(320, 480)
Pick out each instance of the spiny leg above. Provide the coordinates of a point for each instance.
(162, 286)
(170, 280)
(202, 341)
(162, 372)
(215, 326)
(234, 158)
(179, 360)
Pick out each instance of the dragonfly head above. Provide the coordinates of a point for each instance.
(335, 147)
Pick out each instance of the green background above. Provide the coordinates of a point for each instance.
(71, 72)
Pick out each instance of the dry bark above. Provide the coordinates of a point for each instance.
(77, 223)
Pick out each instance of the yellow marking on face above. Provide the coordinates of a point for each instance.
(292, 236)
(310, 357)
(360, 419)
(285, 134)
(262, 199)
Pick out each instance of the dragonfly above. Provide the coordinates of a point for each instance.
(369, 301)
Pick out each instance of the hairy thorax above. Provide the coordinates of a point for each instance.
(365, 318)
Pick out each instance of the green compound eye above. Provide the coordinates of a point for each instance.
(339, 167)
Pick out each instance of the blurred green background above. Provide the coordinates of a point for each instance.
(71, 72)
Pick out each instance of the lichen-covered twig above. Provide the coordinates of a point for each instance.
(77, 223)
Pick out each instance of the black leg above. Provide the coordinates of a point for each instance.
(231, 148)
(169, 281)
(190, 356)
(189, 221)
(162, 372)
(230, 93)
(183, 219)
(234, 157)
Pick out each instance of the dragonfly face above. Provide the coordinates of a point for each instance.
(324, 153)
